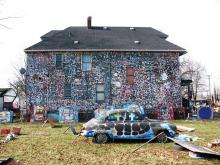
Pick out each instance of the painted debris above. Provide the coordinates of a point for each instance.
(184, 128)
(6, 116)
(196, 151)
(205, 113)
(214, 143)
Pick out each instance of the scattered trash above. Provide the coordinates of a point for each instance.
(8, 138)
(16, 131)
(6, 116)
(186, 138)
(191, 117)
(178, 147)
(197, 151)
(5, 131)
(196, 155)
(184, 129)
(10, 161)
(214, 143)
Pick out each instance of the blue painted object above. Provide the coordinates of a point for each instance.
(205, 113)
(68, 114)
(6, 117)
(53, 115)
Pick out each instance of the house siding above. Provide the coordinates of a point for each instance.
(156, 79)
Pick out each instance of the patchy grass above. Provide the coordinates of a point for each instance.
(48, 146)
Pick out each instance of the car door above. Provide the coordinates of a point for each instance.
(137, 126)
(116, 122)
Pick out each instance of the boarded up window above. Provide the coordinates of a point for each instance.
(59, 61)
(67, 90)
(130, 75)
(100, 96)
(86, 63)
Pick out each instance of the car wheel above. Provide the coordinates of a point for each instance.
(94, 139)
(162, 138)
(101, 138)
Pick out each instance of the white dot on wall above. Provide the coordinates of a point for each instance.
(164, 76)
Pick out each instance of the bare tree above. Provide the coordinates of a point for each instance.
(5, 18)
(18, 84)
(194, 71)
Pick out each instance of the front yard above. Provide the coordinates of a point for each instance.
(46, 145)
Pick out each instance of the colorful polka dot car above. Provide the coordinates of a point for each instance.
(126, 124)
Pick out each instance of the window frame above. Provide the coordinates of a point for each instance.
(88, 63)
(61, 61)
(118, 117)
(138, 115)
(100, 92)
(130, 75)
(67, 91)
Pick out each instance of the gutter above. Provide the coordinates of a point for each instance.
(106, 50)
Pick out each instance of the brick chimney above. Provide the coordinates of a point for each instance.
(89, 22)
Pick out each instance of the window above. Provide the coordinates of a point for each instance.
(86, 63)
(100, 96)
(133, 116)
(59, 61)
(111, 117)
(67, 90)
(130, 75)
(116, 117)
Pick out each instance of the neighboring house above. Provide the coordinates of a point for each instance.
(94, 67)
(8, 100)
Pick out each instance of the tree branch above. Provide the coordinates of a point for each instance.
(5, 26)
(8, 18)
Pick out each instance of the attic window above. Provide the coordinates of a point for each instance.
(137, 42)
(76, 42)
(132, 28)
(105, 28)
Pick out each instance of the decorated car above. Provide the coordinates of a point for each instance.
(126, 124)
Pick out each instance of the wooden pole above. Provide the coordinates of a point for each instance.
(147, 142)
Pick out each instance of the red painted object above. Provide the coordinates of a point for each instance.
(5, 131)
(16, 131)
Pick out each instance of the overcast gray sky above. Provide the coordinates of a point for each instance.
(191, 24)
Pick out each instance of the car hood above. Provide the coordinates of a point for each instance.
(91, 124)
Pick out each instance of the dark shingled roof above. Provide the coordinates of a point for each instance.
(3, 91)
(105, 39)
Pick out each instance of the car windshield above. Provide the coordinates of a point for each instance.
(100, 115)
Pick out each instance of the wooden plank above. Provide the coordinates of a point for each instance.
(183, 128)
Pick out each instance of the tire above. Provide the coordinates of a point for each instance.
(101, 138)
(94, 139)
(162, 138)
